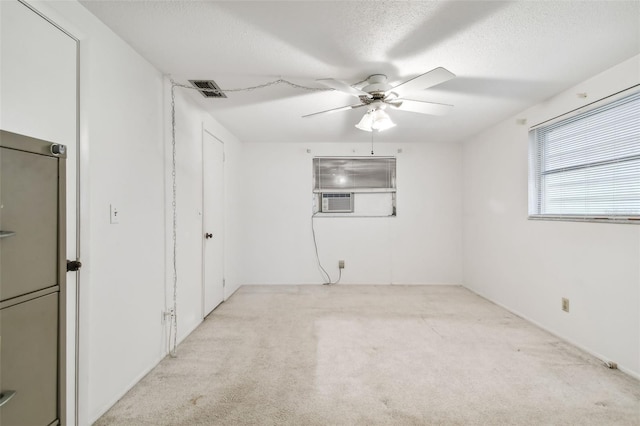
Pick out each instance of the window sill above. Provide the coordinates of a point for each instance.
(622, 220)
(358, 215)
(354, 190)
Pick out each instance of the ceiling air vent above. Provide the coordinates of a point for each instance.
(208, 88)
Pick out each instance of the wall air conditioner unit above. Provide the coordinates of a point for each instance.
(341, 202)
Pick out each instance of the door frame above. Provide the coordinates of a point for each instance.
(72, 287)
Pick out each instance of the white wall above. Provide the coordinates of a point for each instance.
(124, 161)
(190, 122)
(122, 149)
(422, 245)
(528, 266)
(34, 50)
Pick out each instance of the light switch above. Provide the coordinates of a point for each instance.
(115, 214)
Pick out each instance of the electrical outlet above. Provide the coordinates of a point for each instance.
(565, 304)
(341, 264)
(167, 314)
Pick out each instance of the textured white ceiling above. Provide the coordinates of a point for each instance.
(506, 55)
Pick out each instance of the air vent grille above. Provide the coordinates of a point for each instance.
(337, 203)
(208, 88)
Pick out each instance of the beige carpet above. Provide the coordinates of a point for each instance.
(375, 355)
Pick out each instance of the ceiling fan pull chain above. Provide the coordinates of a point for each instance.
(372, 132)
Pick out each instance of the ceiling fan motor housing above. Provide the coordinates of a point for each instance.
(377, 85)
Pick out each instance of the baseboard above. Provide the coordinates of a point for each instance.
(135, 381)
(232, 293)
(428, 284)
(139, 377)
(347, 283)
(604, 359)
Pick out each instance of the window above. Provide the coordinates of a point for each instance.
(354, 186)
(588, 166)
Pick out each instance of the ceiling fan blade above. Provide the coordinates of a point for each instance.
(344, 108)
(423, 81)
(421, 107)
(342, 87)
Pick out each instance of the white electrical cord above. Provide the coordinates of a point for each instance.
(260, 86)
(173, 327)
(325, 274)
(173, 314)
(263, 86)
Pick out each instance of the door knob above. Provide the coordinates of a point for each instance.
(73, 265)
(208, 235)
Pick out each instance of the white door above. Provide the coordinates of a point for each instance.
(213, 221)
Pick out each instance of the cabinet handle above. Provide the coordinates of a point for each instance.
(5, 234)
(5, 396)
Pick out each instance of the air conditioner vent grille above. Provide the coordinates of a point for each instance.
(337, 202)
(208, 88)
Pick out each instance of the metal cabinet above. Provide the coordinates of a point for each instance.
(29, 361)
(32, 281)
(29, 207)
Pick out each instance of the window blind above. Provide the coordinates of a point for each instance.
(354, 173)
(588, 165)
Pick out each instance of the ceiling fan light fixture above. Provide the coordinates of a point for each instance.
(375, 119)
(380, 120)
(365, 122)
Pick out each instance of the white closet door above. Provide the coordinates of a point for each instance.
(213, 222)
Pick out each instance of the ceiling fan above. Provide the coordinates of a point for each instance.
(377, 95)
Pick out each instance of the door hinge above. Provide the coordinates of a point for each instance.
(224, 282)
